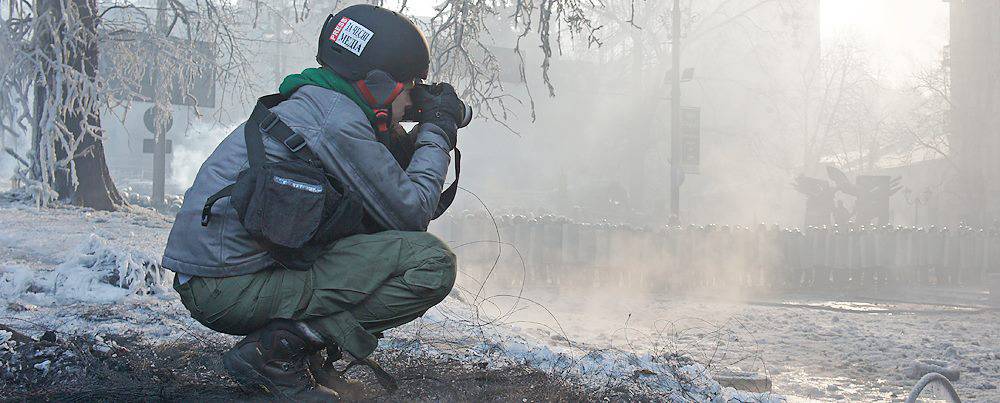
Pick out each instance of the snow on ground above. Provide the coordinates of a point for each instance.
(84, 272)
(90, 273)
(835, 346)
(811, 348)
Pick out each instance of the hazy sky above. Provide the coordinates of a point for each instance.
(902, 36)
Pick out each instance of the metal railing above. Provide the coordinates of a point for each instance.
(557, 250)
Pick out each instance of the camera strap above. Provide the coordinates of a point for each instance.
(448, 196)
(402, 147)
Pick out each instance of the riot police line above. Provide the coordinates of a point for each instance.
(556, 251)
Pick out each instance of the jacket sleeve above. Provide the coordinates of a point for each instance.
(396, 199)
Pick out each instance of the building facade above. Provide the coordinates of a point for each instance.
(975, 117)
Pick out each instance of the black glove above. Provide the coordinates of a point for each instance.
(438, 104)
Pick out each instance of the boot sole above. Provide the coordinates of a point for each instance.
(246, 375)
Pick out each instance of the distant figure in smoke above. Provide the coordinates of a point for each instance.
(819, 199)
(305, 230)
(841, 215)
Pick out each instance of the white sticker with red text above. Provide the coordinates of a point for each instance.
(351, 35)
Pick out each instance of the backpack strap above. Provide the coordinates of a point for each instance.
(206, 212)
(262, 121)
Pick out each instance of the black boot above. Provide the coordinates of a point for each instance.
(276, 360)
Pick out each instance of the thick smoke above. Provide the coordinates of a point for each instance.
(189, 155)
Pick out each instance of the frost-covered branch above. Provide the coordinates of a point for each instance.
(56, 92)
(464, 33)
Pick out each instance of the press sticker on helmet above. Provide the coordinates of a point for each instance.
(351, 35)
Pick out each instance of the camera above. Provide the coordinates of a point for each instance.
(412, 113)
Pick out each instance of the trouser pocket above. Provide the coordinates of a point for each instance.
(433, 278)
(187, 297)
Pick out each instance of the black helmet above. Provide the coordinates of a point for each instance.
(363, 38)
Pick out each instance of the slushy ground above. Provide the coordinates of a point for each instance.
(846, 346)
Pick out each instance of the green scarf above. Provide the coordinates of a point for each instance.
(324, 78)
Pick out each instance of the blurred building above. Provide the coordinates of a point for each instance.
(975, 95)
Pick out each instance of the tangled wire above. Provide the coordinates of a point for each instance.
(686, 350)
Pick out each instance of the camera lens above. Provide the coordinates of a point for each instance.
(466, 117)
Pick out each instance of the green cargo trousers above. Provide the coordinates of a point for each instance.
(361, 285)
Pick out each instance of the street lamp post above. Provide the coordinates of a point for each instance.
(675, 113)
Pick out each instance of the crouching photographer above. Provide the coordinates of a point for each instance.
(305, 230)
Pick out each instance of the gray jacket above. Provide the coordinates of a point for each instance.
(339, 133)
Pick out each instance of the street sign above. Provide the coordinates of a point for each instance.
(690, 141)
(149, 146)
(149, 118)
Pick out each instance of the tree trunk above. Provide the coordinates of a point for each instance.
(94, 185)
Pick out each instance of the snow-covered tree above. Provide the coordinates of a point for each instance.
(55, 89)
